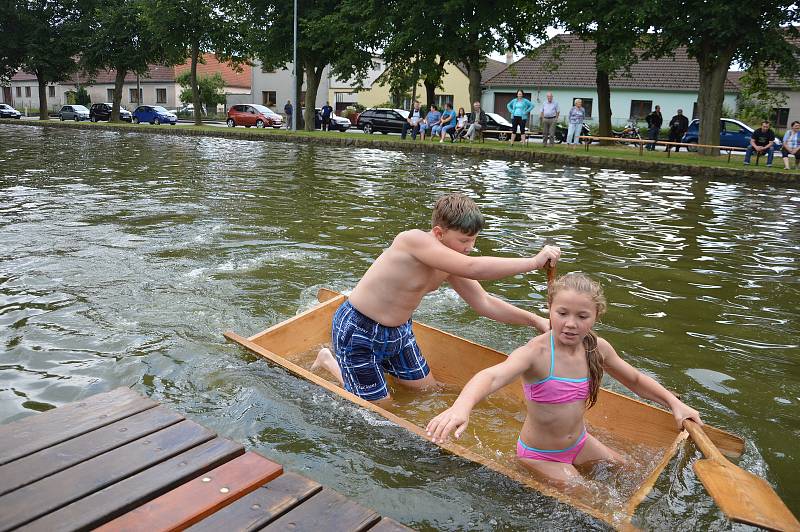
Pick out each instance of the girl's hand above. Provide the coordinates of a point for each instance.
(454, 418)
(681, 412)
(549, 254)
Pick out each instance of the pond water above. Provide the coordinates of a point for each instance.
(123, 257)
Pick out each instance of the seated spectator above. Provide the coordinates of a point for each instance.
(478, 121)
(413, 122)
(791, 145)
(461, 123)
(761, 142)
(448, 121)
(433, 120)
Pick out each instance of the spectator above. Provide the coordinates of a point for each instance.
(762, 141)
(327, 111)
(654, 121)
(548, 118)
(461, 123)
(432, 120)
(478, 121)
(413, 122)
(677, 128)
(520, 108)
(448, 121)
(576, 117)
(791, 145)
(288, 109)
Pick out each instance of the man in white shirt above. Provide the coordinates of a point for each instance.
(548, 118)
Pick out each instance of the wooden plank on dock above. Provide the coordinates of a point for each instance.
(34, 433)
(53, 459)
(199, 498)
(389, 525)
(327, 511)
(255, 510)
(113, 501)
(51, 493)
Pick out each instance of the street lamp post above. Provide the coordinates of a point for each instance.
(294, 85)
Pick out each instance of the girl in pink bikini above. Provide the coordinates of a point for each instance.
(561, 372)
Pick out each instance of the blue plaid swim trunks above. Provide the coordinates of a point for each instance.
(366, 349)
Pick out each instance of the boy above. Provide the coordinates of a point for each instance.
(372, 329)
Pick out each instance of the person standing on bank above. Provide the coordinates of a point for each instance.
(678, 126)
(327, 111)
(654, 121)
(576, 117)
(288, 109)
(548, 118)
(763, 140)
(520, 108)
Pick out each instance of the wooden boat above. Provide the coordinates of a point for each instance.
(454, 360)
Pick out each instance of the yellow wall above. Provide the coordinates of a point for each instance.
(454, 83)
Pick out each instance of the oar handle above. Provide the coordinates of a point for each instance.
(701, 440)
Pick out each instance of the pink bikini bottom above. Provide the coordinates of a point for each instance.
(566, 456)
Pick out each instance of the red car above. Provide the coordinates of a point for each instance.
(253, 115)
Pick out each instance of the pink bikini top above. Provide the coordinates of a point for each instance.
(554, 390)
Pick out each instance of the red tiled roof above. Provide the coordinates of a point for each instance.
(568, 61)
(212, 65)
(491, 68)
(19, 75)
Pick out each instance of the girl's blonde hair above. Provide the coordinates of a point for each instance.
(583, 284)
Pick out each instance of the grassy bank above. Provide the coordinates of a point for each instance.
(622, 157)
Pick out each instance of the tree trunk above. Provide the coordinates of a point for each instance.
(603, 105)
(43, 115)
(313, 77)
(474, 73)
(430, 92)
(713, 71)
(198, 118)
(298, 105)
(119, 80)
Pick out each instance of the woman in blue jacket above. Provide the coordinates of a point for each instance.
(520, 108)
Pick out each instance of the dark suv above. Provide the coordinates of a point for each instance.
(102, 111)
(382, 120)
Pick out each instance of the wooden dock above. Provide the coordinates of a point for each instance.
(119, 461)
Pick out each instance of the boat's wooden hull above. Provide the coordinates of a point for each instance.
(454, 360)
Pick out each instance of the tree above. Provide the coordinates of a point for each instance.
(119, 39)
(201, 26)
(718, 32)
(330, 33)
(210, 89)
(13, 29)
(52, 38)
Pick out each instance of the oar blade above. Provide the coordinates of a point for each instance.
(744, 497)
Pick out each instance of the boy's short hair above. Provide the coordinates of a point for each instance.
(457, 211)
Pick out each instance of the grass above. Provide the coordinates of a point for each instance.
(595, 150)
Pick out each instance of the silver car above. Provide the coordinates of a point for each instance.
(73, 112)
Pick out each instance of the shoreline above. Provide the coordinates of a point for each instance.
(540, 155)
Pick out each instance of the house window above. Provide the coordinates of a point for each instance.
(694, 111)
(161, 95)
(265, 70)
(110, 95)
(442, 99)
(132, 96)
(19, 92)
(27, 92)
(269, 98)
(780, 117)
(587, 105)
(51, 91)
(640, 109)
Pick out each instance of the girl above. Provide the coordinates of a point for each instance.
(561, 373)
(461, 123)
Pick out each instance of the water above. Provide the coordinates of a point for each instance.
(123, 257)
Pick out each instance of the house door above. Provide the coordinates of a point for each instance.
(7, 96)
(501, 100)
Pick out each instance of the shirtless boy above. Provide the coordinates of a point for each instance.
(372, 329)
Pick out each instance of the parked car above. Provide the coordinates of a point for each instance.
(338, 123)
(382, 120)
(732, 132)
(102, 111)
(6, 111)
(252, 114)
(73, 112)
(188, 108)
(153, 114)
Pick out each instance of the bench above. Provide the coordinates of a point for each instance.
(642, 142)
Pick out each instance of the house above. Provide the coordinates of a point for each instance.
(565, 66)
(789, 111)
(454, 87)
(157, 87)
(346, 93)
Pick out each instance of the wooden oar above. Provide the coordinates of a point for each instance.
(741, 495)
(551, 278)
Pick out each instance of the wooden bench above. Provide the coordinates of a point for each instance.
(643, 142)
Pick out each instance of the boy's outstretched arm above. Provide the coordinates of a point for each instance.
(493, 307)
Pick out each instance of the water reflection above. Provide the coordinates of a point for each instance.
(123, 257)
